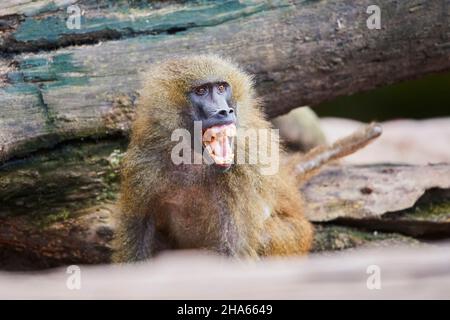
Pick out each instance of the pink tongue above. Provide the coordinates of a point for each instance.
(221, 147)
(218, 148)
(220, 144)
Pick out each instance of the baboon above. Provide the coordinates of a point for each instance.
(229, 208)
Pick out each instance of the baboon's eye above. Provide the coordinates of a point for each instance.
(201, 91)
(221, 88)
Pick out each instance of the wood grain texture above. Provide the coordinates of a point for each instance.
(301, 52)
(71, 177)
(28, 245)
(370, 191)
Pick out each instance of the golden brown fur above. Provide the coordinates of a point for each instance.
(164, 206)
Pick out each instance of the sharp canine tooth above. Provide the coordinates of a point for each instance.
(210, 151)
(219, 142)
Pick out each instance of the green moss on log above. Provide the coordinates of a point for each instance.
(75, 175)
(330, 237)
(114, 20)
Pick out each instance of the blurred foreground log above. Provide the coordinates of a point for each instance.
(302, 52)
(403, 273)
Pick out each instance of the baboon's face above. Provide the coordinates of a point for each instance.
(213, 105)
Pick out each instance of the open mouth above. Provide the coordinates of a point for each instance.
(219, 142)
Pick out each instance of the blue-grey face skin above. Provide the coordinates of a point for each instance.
(212, 104)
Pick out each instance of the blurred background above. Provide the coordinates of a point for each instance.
(428, 97)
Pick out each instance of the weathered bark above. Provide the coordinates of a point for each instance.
(27, 244)
(411, 200)
(71, 177)
(371, 191)
(301, 53)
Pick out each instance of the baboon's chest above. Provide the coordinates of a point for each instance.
(199, 217)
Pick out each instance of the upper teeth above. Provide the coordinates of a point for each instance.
(218, 141)
(228, 130)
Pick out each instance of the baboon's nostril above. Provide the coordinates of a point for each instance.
(223, 112)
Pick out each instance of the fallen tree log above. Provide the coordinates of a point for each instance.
(29, 244)
(400, 273)
(305, 52)
(66, 179)
(410, 200)
(371, 191)
(80, 231)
